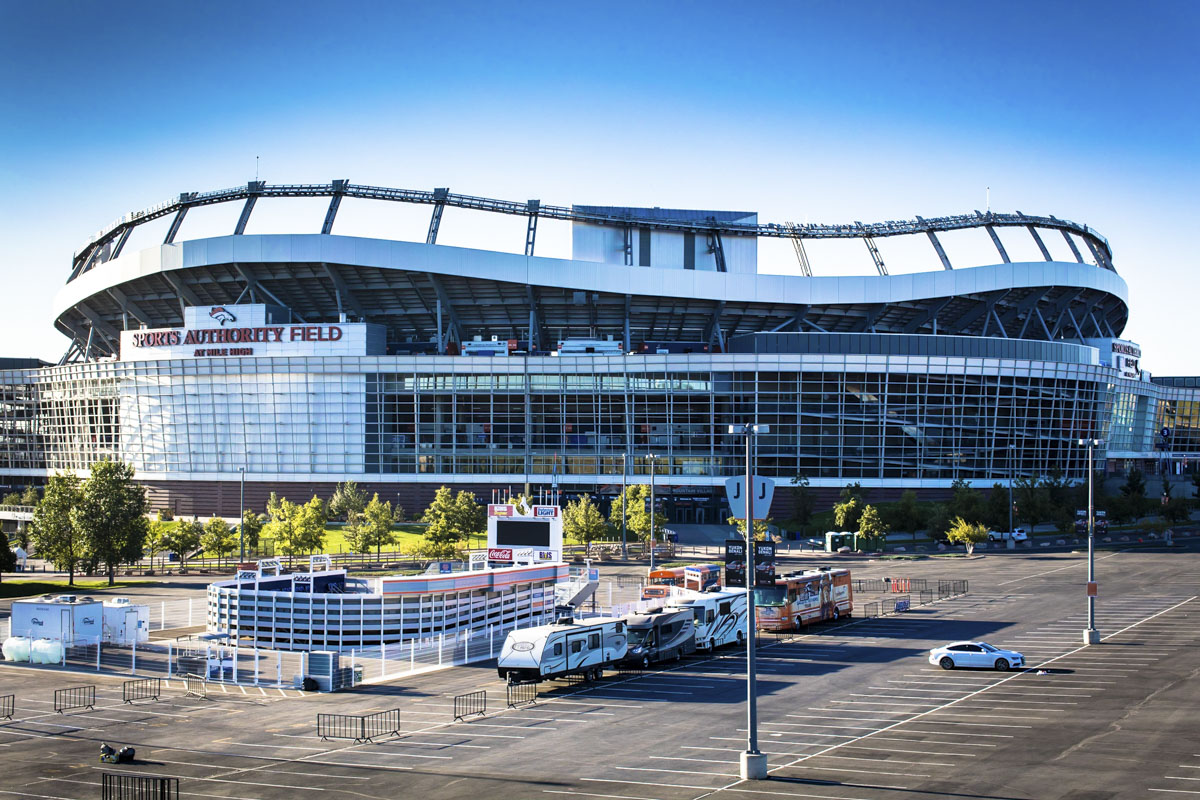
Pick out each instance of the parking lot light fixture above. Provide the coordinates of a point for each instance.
(1091, 635)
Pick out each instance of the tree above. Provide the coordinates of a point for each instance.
(1134, 489)
(282, 526)
(762, 527)
(906, 514)
(378, 519)
(637, 518)
(938, 520)
(470, 516)
(8, 559)
(443, 531)
(995, 509)
(872, 528)
(347, 499)
(1030, 501)
(1196, 487)
(252, 525)
(157, 540)
(111, 515)
(30, 497)
(851, 491)
(219, 538)
(188, 534)
(1176, 510)
(966, 502)
(582, 521)
(846, 514)
(309, 525)
(966, 533)
(11, 499)
(54, 535)
(803, 504)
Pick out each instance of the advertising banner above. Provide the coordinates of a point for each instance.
(735, 562)
(499, 554)
(764, 564)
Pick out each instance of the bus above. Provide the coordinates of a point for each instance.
(698, 577)
(803, 598)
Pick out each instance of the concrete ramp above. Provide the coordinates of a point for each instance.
(574, 593)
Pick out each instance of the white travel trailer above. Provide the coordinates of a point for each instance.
(587, 648)
(720, 616)
(125, 623)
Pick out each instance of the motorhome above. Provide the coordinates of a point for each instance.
(660, 635)
(803, 598)
(545, 652)
(720, 617)
(698, 577)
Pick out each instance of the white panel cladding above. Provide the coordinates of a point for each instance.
(268, 421)
(606, 244)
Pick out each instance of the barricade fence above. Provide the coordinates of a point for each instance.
(74, 697)
(196, 686)
(470, 703)
(518, 694)
(117, 786)
(381, 723)
(8, 705)
(869, 610)
(952, 588)
(359, 727)
(141, 689)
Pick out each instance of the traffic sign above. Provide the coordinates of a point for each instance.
(764, 492)
(1093, 589)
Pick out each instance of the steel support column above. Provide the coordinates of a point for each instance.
(996, 241)
(344, 292)
(1037, 237)
(937, 245)
(531, 229)
(435, 220)
(1071, 243)
(339, 189)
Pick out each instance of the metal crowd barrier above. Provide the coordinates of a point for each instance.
(197, 686)
(470, 703)
(359, 728)
(117, 786)
(869, 610)
(951, 588)
(8, 705)
(521, 693)
(141, 689)
(75, 697)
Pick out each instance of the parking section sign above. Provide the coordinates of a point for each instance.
(764, 564)
(735, 562)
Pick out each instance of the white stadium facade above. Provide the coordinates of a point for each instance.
(299, 360)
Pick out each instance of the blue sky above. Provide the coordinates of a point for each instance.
(800, 111)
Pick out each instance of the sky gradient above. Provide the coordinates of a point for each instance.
(825, 112)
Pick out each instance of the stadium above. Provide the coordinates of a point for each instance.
(292, 361)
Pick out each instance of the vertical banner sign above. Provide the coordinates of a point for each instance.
(764, 564)
(735, 562)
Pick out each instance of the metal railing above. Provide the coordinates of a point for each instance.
(470, 703)
(890, 585)
(141, 689)
(75, 697)
(8, 704)
(951, 588)
(359, 727)
(118, 786)
(197, 686)
(518, 694)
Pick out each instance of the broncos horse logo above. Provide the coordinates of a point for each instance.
(222, 314)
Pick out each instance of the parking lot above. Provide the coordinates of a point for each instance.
(850, 710)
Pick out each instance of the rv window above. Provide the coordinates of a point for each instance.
(558, 649)
(576, 647)
(594, 641)
(620, 627)
(698, 613)
(725, 608)
(711, 615)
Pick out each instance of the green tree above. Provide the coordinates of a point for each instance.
(8, 559)
(282, 527)
(347, 499)
(637, 518)
(252, 526)
(219, 538)
(995, 509)
(803, 504)
(378, 519)
(907, 514)
(1196, 487)
(1031, 504)
(111, 515)
(762, 527)
(309, 525)
(1134, 489)
(443, 531)
(188, 534)
(938, 520)
(470, 515)
(966, 533)
(846, 514)
(582, 522)
(11, 499)
(161, 539)
(30, 496)
(54, 535)
(966, 502)
(872, 528)
(1176, 510)
(851, 491)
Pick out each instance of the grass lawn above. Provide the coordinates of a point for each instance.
(21, 588)
(408, 535)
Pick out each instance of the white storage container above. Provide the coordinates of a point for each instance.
(65, 618)
(125, 623)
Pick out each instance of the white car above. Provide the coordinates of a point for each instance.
(1018, 535)
(975, 654)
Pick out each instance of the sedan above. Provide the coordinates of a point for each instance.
(975, 654)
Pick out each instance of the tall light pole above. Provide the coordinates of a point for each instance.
(651, 457)
(624, 548)
(1091, 635)
(1012, 474)
(242, 512)
(753, 763)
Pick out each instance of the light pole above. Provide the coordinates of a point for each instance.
(651, 457)
(1012, 474)
(753, 763)
(1091, 635)
(242, 512)
(624, 549)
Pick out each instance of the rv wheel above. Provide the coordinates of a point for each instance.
(741, 639)
(836, 614)
(645, 662)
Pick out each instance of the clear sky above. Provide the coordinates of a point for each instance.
(825, 112)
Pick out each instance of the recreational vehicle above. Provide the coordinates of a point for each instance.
(720, 617)
(660, 635)
(546, 652)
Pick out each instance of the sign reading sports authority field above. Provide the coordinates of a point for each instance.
(250, 330)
